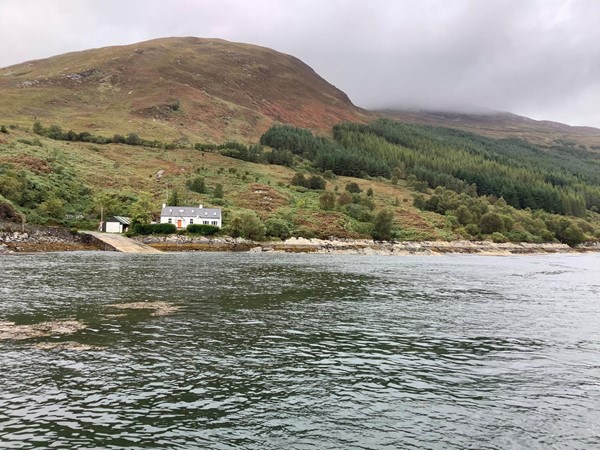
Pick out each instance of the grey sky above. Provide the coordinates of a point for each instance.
(539, 58)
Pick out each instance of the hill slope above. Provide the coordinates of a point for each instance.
(504, 125)
(182, 89)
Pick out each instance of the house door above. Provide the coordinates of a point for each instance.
(178, 223)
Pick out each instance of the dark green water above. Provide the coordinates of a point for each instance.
(304, 351)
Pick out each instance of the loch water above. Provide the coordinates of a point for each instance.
(300, 351)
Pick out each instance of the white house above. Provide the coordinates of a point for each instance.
(182, 216)
(116, 224)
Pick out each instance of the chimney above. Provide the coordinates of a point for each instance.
(200, 206)
(164, 205)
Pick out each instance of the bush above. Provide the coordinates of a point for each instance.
(353, 187)
(197, 185)
(327, 200)
(491, 223)
(498, 238)
(247, 225)
(358, 212)
(133, 139)
(218, 191)
(152, 228)
(278, 228)
(3, 129)
(382, 225)
(204, 230)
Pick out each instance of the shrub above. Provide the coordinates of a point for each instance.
(218, 191)
(197, 185)
(278, 228)
(358, 212)
(204, 230)
(327, 200)
(353, 187)
(133, 139)
(152, 228)
(382, 225)
(3, 129)
(316, 183)
(491, 222)
(247, 225)
(345, 198)
(498, 238)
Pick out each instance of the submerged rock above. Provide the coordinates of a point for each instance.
(12, 331)
(158, 308)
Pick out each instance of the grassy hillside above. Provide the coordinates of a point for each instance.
(174, 89)
(59, 182)
(66, 183)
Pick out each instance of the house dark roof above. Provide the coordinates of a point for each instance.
(191, 211)
(120, 219)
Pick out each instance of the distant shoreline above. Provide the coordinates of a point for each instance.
(48, 239)
(358, 246)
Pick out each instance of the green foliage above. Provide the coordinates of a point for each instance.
(197, 184)
(370, 192)
(382, 225)
(278, 228)
(557, 179)
(173, 198)
(358, 212)
(498, 238)
(138, 228)
(324, 153)
(314, 182)
(344, 198)
(327, 201)
(246, 224)
(38, 128)
(237, 150)
(3, 129)
(133, 139)
(491, 222)
(204, 230)
(566, 230)
(142, 210)
(353, 187)
(218, 191)
(8, 212)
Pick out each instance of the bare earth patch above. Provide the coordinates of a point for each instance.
(159, 309)
(12, 331)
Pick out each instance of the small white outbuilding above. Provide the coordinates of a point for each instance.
(116, 224)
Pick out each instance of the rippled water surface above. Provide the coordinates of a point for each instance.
(303, 351)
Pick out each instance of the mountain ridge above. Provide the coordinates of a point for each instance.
(184, 88)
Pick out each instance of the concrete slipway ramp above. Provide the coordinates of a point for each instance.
(121, 243)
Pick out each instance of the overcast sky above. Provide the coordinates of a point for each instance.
(538, 58)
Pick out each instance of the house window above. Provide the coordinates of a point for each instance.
(205, 222)
(191, 221)
(214, 222)
(170, 220)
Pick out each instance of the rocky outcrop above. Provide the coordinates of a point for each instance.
(15, 238)
(354, 246)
